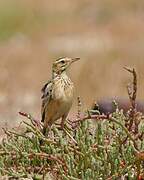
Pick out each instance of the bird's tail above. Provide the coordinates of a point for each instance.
(44, 131)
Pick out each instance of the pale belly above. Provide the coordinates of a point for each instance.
(61, 103)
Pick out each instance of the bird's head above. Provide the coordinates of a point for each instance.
(61, 64)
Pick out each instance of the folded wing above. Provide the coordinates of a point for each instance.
(46, 97)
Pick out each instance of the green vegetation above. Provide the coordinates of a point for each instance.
(97, 151)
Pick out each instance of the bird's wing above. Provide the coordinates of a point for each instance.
(46, 97)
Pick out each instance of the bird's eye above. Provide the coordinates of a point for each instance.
(62, 61)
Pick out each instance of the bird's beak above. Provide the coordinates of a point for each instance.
(75, 59)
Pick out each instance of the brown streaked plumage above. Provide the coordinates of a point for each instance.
(57, 94)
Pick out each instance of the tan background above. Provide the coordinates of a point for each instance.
(106, 34)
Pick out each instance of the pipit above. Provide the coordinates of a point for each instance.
(57, 95)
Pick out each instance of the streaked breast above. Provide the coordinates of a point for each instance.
(63, 88)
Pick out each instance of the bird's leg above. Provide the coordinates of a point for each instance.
(63, 121)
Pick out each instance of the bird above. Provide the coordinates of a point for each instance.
(57, 94)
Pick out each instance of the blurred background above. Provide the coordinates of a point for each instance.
(106, 35)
